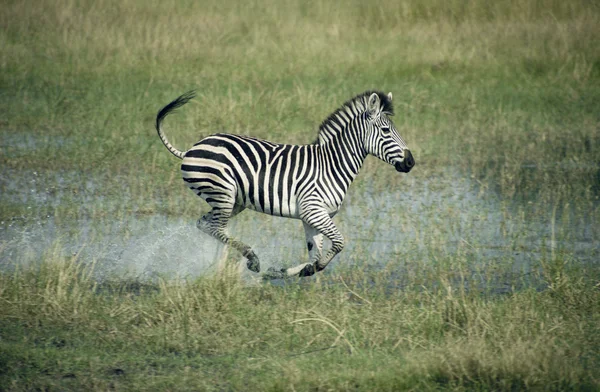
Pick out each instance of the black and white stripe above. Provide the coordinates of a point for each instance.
(307, 182)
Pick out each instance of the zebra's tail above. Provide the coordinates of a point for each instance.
(164, 112)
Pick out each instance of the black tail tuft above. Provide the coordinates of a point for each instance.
(178, 102)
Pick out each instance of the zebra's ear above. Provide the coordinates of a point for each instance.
(373, 104)
(390, 95)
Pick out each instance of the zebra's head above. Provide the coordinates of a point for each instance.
(382, 138)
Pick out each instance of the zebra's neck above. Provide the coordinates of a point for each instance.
(343, 156)
(338, 122)
(341, 143)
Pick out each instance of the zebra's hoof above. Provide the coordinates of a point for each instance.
(274, 273)
(308, 270)
(253, 265)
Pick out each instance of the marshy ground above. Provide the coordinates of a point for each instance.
(477, 270)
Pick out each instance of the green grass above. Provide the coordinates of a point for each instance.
(505, 93)
(61, 329)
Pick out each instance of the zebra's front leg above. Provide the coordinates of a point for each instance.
(314, 244)
(318, 223)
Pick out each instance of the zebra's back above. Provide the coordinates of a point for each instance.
(257, 174)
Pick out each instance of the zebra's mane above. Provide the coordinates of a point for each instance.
(338, 120)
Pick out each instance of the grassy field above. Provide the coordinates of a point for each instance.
(505, 95)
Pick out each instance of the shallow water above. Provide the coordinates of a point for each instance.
(429, 219)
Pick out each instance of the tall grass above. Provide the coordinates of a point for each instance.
(63, 330)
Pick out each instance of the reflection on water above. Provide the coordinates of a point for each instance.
(428, 219)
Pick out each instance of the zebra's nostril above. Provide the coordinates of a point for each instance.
(408, 159)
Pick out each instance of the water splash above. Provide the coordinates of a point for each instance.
(427, 218)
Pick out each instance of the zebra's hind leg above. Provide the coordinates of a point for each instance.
(215, 222)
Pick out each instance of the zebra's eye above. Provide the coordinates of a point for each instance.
(385, 129)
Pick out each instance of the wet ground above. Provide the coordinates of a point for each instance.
(429, 219)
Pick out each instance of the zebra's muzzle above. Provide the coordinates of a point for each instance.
(407, 164)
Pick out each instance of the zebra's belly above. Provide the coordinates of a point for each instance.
(269, 201)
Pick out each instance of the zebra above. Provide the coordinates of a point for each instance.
(307, 182)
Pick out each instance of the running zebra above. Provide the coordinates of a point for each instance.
(308, 182)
